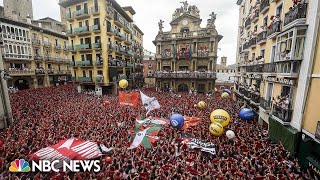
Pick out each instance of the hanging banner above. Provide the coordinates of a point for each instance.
(128, 99)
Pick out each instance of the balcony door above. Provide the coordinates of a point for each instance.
(90, 73)
(85, 8)
(269, 92)
(96, 6)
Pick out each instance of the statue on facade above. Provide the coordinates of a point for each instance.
(160, 26)
(212, 20)
(185, 6)
(195, 11)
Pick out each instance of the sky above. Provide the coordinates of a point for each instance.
(149, 12)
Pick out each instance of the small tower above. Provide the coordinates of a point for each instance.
(19, 8)
(223, 61)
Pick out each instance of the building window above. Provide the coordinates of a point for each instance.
(262, 51)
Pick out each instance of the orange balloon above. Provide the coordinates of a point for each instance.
(108, 159)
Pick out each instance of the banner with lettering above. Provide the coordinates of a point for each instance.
(129, 99)
(195, 143)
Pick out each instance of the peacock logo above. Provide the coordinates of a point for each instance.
(19, 165)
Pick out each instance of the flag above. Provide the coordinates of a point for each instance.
(129, 99)
(190, 52)
(146, 137)
(190, 121)
(150, 103)
(70, 149)
(152, 121)
(195, 143)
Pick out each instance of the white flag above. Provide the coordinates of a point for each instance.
(138, 139)
(150, 103)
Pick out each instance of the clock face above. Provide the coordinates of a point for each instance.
(185, 22)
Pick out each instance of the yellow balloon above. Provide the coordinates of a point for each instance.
(215, 89)
(216, 129)
(123, 83)
(224, 95)
(201, 105)
(220, 116)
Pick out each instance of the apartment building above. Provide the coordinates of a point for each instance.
(187, 54)
(276, 43)
(101, 42)
(33, 56)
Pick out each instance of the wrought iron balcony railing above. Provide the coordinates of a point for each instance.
(264, 5)
(275, 27)
(297, 12)
(247, 23)
(265, 104)
(83, 63)
(253, 42)
(282, 113)
(262, 36)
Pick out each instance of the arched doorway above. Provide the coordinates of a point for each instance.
(183, 88)
(21, 84)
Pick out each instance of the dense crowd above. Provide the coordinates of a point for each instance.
(42, 117)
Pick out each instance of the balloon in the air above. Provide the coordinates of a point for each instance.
(176, 121)
(216, 129)
(226, 91)
(221, 116)
(224, 95)
(201, 105)
(246, 114)
(123, 83)
(230, 134)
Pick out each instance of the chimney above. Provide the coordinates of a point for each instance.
(14, 16)
(28, 19)
(223, 61)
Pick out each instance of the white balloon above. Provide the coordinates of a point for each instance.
(230, 134)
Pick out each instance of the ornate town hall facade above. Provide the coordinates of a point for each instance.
(187, 54)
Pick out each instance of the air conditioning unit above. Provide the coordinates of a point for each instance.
(317, 135)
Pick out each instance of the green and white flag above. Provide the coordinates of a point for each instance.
(146, 137)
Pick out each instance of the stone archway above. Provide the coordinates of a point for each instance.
(21, 84)
(183, 88)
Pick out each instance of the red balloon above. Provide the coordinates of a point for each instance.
(108, 159)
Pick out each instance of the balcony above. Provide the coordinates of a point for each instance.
(70, 33)
(247, 23)
(71, 48)
(47, 44)
(20, 72)
(36, 42)
(185, 75)
(246, 94)
(253, 42)
(61, 72)
(69, 17)
(49, 58)
(38, 57)
(84, 79)
(111, 31)
(265, 104)
(50, 71)
(138, 65)
(118, 63)
(203, 54)
(98, 63)
(68, 71)
(297, 15)
(40, 71)
(274, 29)
(119, 36)
(262, 37)
(17, 57)
(129, 53)
(255, 98)
(109, 10)
(246, 46)
(84, 63)
(81, 14)
(95, 28)
(82, 47)
(84, 30)
(282, 114)
(258, 68)
(57, 47)
(112, 47)
(95, 10)
(96, 46)
(99, 78)
(264, 6)
(256, 16)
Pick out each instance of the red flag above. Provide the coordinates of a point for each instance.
(129, 99)
(70, 149)
(190, 121)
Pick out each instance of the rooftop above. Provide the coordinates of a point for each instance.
(130, 9)
(138, 29)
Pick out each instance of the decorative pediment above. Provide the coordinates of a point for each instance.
(183, 17)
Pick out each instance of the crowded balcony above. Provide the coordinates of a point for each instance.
(83, 63)
(50, 71)
(40, 71)
(203, 52)
(264, 6)
(166, 54)
(80, 14)
(262, 37)
(282, 111)
(99, 62)
(47, 44)
(129, 52)
(185, 74)
(184, 35)
(95, 10)
(119, 63)
(255, 98)
(246, 94)
(21, 72)
(95, 28)
(38, 57)
(296, 15)
(265, 104)
(111, 30)
(253, 42)
(274, 29)
(112, 47)
(16, 56)
(247, 23)
(84, 79)
(138, 65)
